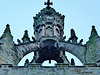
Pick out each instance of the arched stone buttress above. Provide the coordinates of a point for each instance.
(75, 49)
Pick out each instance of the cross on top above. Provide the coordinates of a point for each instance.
(48, 3)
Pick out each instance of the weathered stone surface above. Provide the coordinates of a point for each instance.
(48, 22)
(77, 50)
(24, 49)
(93, 47)
(49, 44)
(59, 69)
(7, 48)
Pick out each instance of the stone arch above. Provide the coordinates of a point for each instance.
(80, 56)
(46, 62)
(24, 49)
(75, 49)
(70, 56)
(28, 56)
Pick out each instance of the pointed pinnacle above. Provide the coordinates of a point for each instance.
(94, 30)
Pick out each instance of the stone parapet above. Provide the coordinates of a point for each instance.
(59, 69)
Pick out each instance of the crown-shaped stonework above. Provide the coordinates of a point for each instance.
(48, 22)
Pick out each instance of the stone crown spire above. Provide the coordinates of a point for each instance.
(48, 22)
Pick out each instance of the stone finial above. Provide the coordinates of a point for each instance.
(49, 61)
(73, 36)
(93, 35)
(26, 62)
(72, 62)
(19, 42)
(81, 41)
(48, 3)
(7, 32)
(26, 37)
(33, 38)
(64, 37)
(93, 32)
(7, 28)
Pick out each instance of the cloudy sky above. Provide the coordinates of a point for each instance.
(79, 15)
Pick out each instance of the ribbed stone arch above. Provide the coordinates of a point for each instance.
(75, 49)
(24, 49)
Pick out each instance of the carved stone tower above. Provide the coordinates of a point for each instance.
(48, 23)
(49, 30)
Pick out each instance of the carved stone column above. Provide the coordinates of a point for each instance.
(43, 30)
(36, 35)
